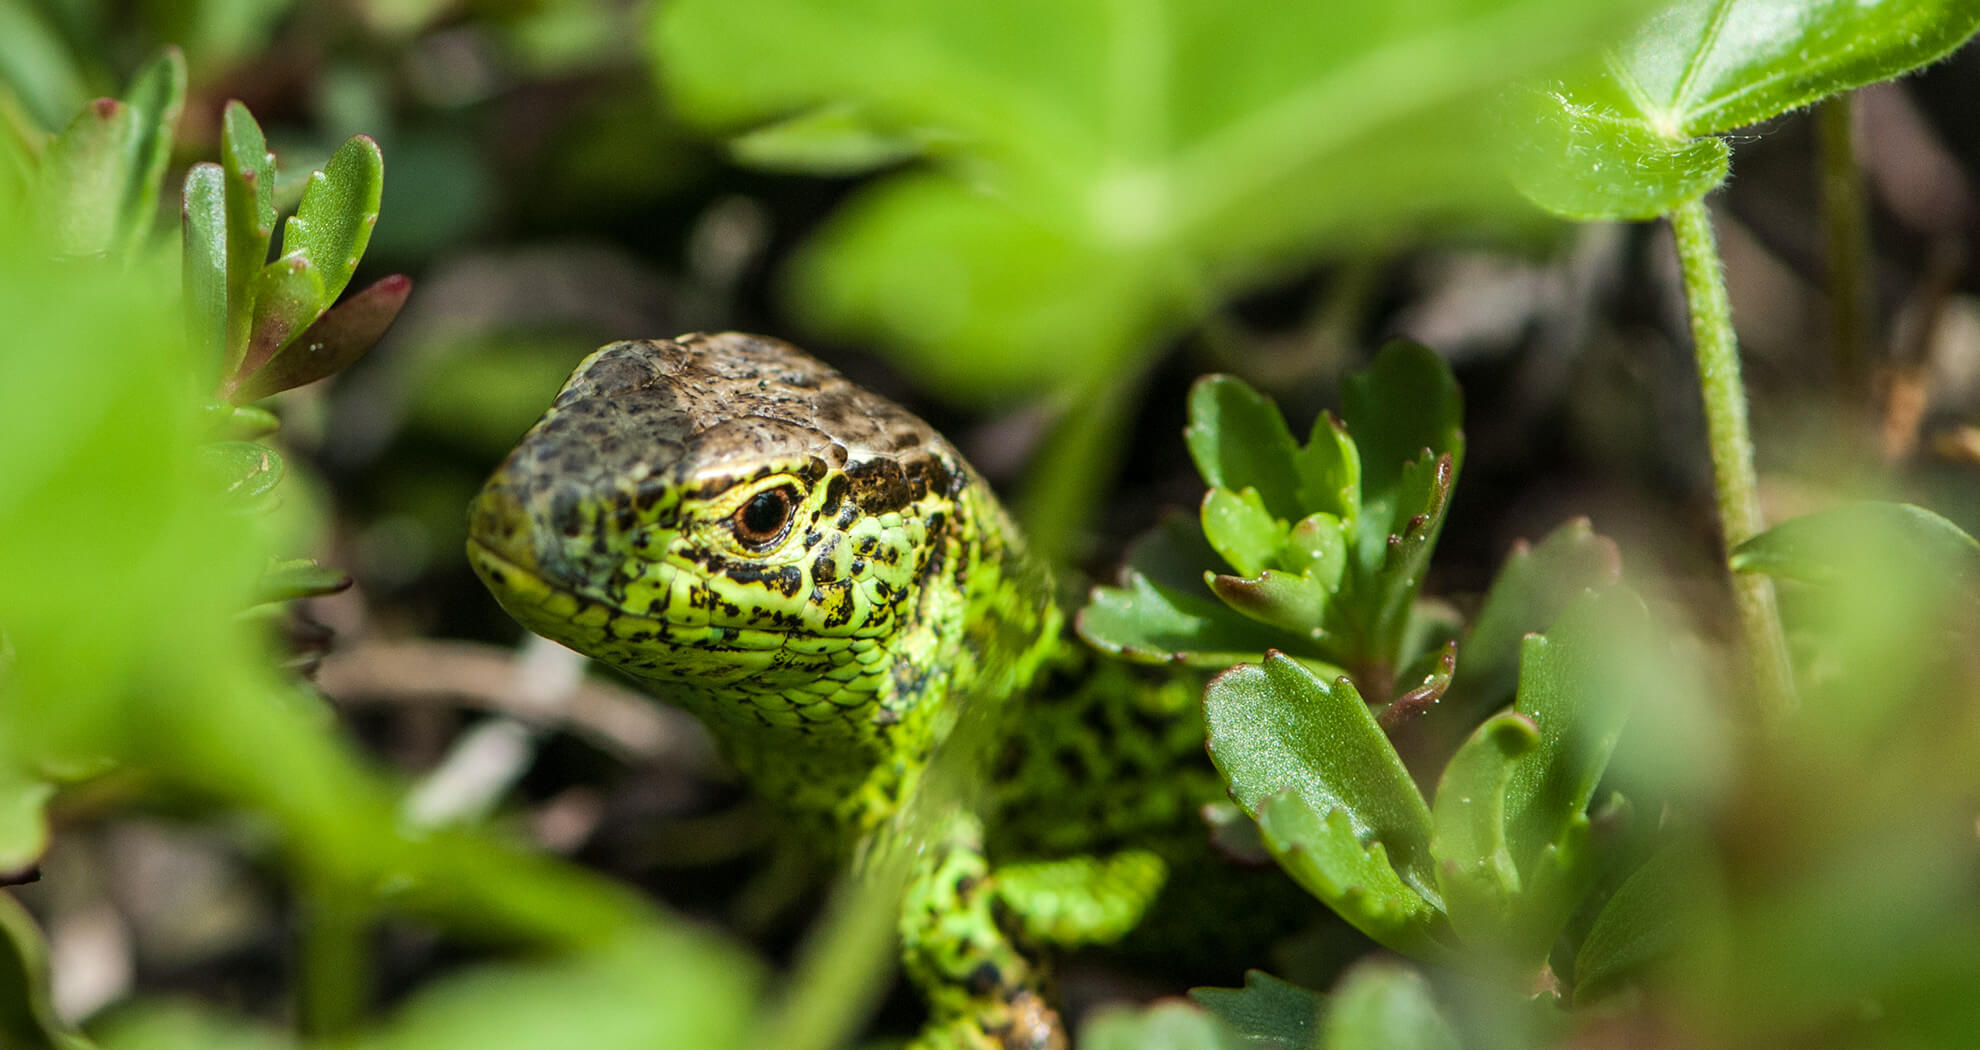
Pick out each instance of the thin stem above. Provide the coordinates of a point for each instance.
(1733, 475)
(333, 982)
(1847, 232)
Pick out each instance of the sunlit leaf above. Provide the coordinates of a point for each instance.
(333, 223)
(1475, 868)
(337, 339)
(203, 264)
(1531, 589)
(1319, 847)
(250, 195)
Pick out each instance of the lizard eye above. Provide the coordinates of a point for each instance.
(763, 520)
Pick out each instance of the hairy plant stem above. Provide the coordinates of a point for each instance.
(1846, 233)
(1734, 478)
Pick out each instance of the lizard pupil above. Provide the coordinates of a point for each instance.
(762, 519)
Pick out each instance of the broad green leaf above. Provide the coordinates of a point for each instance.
(1239, 441)
(85, 176)
(155, 97)
(1269, 1013)
(1531, 589)
(1162, 613)
(1167, 1025)
(1111, 170)
(1827, 546)
(1475, 869)
(250, 193)
(203, 265)
(1578, 684)
(1240, 528)
(333, 224)
(27, 1017)
(1379, 1004)
(1625, 141)
(1320, 848)
(1275, 727)
(1404, 402)
(1648, 917)
(337, 339)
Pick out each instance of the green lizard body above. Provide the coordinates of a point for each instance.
(823, 580)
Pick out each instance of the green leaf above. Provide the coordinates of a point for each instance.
(1578, 684)
(1329, 467)
(85, 175)
(1827, 546)
(288, 298)
(337, 339)
(156, 96)
(243, 470)
(830, 140)
(1167, 1025)
(1317, 548)
(1162, 613)
(27, 1017)
(23, 820)
(203, 265)
(1279, 599)
(184, 1025)
(1475, 869)
(1531, 589)
(1270, 1014)
(1404, 402)
(1379, 1004)
(294, 578)
(1239, 441)
(1649, 916)
(1240, 528)
(1274, 727)
(1624, 141)
(1320, 848)
(250, 193)
(1106, 171)
(333, 224)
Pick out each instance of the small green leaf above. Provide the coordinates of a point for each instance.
(288, 298)
(1240, 528)
(1317, 548)
(250, 171)
(295, 578)
(203, 266)
(1322, 852)
(1275, 727)
(243, 470)
(333, 224)
(227, 422)
(1329, 466)
(1625, 141)
(1390, 566)
(85, 173)
(1824, 547)
(27, 1016)
(1239, 441)
(156, 96)
(342, 335)
(1162, 613)
(1379, 1004)
(1279, 599)
(1531, 589)
(1269, 1013)
(1475, 869)
(1404, 402)
(1578, 683)
(179, 1024)
(829, 140)
(1649, 916)
(23, 820)
(1167, 1025)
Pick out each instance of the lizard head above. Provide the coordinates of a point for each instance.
(728, 515)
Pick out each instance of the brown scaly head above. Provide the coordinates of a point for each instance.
(804, 565)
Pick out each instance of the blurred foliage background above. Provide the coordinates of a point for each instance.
(1037, 248)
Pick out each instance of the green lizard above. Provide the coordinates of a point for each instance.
(823, 580)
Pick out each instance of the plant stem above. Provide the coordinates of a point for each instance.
(1733, 475)
(1846, 231)
(333, 983)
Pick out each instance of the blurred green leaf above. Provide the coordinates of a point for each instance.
(1475, 869)
(1274, 727)
(1827, 546)
(1270, 1014)
(1163, 613)
(250, 193)
(1110, 170)
(183, 1025)
(294, 578)
(1380, 1004)
(156, 96)
(23, 818)
(84, 171)
(338, 338)
(830, 140)
(1647, 919)
(1319, 847)
(37, 66)
(1624, 141)
(27, 1018)
(203, 264)
(1167, 1025)
(333, 223)
(1531, 589)
(243, 470)
(1239, 441)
